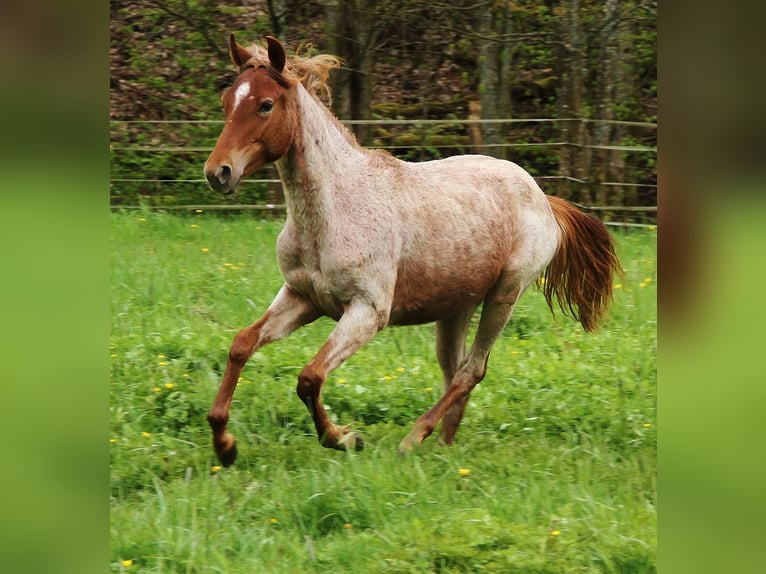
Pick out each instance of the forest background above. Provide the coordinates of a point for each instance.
(574, 83)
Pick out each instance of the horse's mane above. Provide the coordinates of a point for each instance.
(311, 71)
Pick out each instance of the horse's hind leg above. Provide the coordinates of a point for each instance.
(498, 306)
(450, 352)
(286, 313)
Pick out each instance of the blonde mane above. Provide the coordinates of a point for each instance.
(311, 71)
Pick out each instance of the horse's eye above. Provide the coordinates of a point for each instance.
(266, 107)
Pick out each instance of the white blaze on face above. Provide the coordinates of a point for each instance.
(240, 94)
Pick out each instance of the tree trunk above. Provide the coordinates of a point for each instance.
(278, 18)
(354, 35)
(494, 65)
(623, 89)
(607, 86)
(572, 64)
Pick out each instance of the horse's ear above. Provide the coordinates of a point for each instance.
(239, 54)
(276, 53)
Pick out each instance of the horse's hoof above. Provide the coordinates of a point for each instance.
(408, 445)
(347, 439)
(228, 457)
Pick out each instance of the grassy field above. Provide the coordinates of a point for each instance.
(554, 469)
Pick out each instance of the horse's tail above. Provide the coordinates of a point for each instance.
(580, 273)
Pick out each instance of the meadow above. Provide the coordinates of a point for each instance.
(554, 468)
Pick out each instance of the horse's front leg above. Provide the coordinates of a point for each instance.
(287, 312)
(359, 323)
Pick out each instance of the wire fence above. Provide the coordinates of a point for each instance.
(153, 161)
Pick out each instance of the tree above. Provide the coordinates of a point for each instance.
(354, 31)
(573, 160)
(494, 64)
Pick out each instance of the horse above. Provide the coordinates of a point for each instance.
(372, 241)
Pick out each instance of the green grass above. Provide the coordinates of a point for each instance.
(559, 439)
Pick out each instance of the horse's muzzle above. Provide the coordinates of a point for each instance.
(221, 179)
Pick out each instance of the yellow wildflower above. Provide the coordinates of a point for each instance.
(214, 469)
(205, 250)
(555, 533)
(647, 425)
(464, 471)
(127, 563)
(168, 386)
(146, 434)
(157, 389)
(274, 521)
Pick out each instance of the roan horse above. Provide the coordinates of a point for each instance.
(372, 241)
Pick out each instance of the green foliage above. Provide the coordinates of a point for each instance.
(557, 448)
(169, 62)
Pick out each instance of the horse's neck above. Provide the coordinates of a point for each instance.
(312, 171)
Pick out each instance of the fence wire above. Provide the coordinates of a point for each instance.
(157, 145)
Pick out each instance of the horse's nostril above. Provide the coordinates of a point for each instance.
(220, 177)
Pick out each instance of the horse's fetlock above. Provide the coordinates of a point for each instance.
(217, 420)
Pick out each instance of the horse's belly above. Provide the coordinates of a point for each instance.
(430, 295)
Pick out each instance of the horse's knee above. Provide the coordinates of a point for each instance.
(309, 383)
(241, 347)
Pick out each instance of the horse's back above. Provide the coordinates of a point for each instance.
(476, 201)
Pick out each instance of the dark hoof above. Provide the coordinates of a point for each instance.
(227, 458)
(346, 441)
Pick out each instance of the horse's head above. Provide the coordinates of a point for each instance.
(260, 126)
